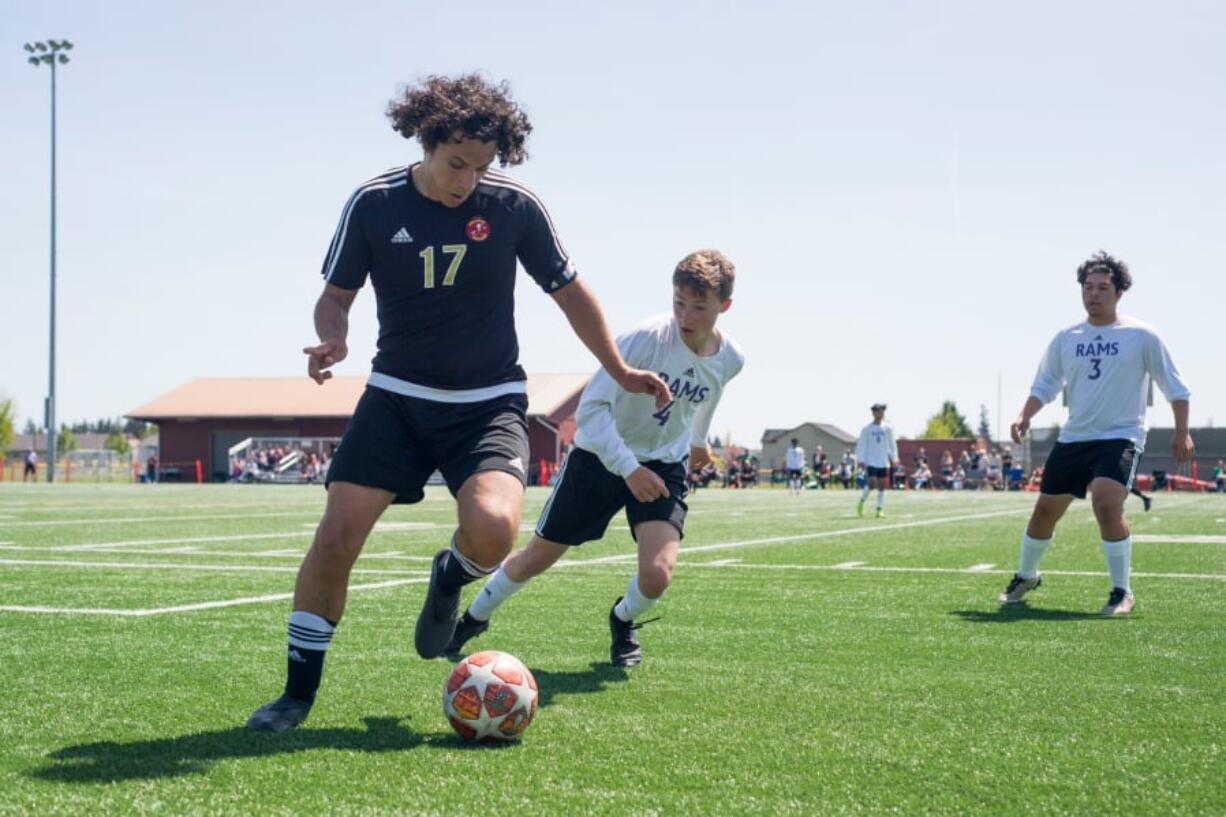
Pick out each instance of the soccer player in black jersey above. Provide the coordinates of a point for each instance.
(439, 241)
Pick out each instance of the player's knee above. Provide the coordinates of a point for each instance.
(492, 531)
(654, 579)
(1107, 509)
(337, 540)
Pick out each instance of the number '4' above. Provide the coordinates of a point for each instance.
(662, 415)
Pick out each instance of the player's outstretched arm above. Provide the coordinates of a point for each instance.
(583, 312)
(332, 327)
(1022, 424)
(1182, 447)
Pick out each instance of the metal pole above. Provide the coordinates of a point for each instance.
(51, 430)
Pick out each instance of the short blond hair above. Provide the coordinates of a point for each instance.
(706, 271)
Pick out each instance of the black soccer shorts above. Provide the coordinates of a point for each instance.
(877, 473)
(1071, 467)
(587, 496)
(396, 442)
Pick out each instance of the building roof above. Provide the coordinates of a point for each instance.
(300, 397)
(773, 434)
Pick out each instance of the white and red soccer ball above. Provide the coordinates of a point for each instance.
(490, 696)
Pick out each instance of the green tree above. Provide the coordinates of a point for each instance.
(947, 424)
(8, 419)
(65, 441)
(30, 428)
(118, 443)
(985, 426)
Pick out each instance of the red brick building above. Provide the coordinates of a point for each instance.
(201, 419)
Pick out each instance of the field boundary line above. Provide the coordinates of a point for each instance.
(37, 523)
(231, 568)
(184, 608)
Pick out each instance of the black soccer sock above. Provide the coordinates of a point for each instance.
(309, 637)
(459, 570)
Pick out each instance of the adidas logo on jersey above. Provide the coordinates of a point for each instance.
(402, 237)
(688, 373)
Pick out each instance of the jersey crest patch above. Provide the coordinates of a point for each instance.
(478, 229)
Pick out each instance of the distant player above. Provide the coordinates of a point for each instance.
(795, 466)
(439, 240)
(630, 455)
(877, 452)
(31, 469)
(1104, 364)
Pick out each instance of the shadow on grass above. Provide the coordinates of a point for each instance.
(1021, 611)
(110, 762)
(594, 679)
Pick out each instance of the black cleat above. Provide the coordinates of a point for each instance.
(1018, 587)
(280, 715)
(625, 650)
(467, 629)
(437, 622)
(1147, 501)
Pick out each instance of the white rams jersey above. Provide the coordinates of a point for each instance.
(876, 446)
(796, 458)
(624, 429)
(1106, 372)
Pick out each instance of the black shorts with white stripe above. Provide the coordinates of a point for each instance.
(587, 496)
(1071, 467)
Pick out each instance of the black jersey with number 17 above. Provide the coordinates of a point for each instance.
(444, 280)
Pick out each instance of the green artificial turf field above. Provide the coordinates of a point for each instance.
(806, 662)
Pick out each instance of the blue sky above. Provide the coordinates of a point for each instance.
(906, 188)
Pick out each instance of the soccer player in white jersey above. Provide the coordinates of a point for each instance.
(795, 467)
(1104, 364)
(877, 452)
(630, 455)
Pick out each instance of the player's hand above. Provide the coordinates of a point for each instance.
(700, 457)
(646, 485)
(1019, 428)
(326, 354)
(638, 381)
(1182, 447)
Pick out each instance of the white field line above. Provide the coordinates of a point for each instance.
(125, 520)
(183, 608)
(1180, 538)
(962, 570)
(188, 540)
(981, 568)
(800, 537)
(189, 550)
(847, 565)
(722, 562)
(231, 568)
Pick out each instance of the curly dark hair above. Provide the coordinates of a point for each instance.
(1121, 279)
(438, 108)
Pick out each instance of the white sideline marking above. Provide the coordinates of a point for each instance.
(799, 537)
(847, 565)
(722, 562)
(45, 522)
(190, 566)
(183, 608)
(959, 570)
(194, 551)
(184, 541)
(1180, 538)
(983, 568)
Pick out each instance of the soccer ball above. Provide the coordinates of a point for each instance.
(490, 696)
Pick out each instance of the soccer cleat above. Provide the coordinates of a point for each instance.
(468, 628)
(280, 715)
(1147, 502)
(860, 508)
(625, 650)
(1019, 587)
(439, 614)
(881, 513)
(1120, 603)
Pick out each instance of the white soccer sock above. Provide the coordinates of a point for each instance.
(880, 498)
(497, 590)
(1119, 557)
(309, 631)
(864, 495)
(1032, 551)
(634, 603)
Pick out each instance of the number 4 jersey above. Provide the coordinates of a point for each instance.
(1106, 372)
(624, 429)
(444, 280)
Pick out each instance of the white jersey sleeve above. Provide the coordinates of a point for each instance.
(1162, 370)
(1049, 379)
(624, 429)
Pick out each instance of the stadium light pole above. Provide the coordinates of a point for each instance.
(50, 53)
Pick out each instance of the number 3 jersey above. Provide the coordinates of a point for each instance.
(444, 280)
(1106, 372)
(624, 429)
